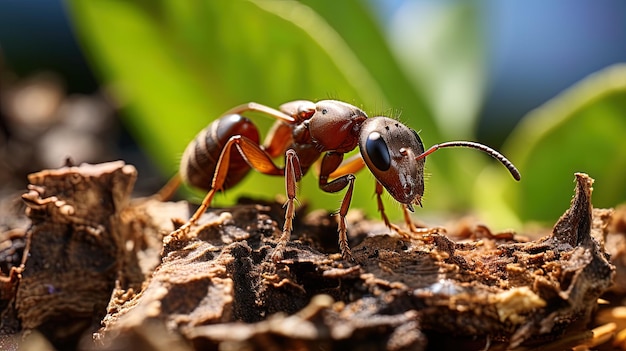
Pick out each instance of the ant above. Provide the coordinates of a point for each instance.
(227, 149)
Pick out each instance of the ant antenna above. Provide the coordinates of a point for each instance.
(486, 149)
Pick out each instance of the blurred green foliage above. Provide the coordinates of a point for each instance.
(581, 130)
(177, 65)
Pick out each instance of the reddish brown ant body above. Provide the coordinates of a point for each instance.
(223, 153)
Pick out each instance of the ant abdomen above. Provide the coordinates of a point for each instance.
(199, 160)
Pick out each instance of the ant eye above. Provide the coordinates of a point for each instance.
(378, 151)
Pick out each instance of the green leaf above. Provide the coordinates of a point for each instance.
(440, 47)
(367, 41)
(179, 64)
(581, 130)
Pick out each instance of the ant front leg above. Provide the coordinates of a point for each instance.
(330, 163)
(383, 215)
(413, 229)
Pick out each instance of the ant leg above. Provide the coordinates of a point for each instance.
(219, 178)
(261, 161)
(256, 157)
(293, 173)
(278, 139)
(253, 106)
(353, 164)
(417, 230)
(413, 229)
(335, 186)
(343, 211)
(330, 164)
(381, 209)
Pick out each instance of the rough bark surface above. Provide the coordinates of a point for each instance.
(73, 252)
(113, 262)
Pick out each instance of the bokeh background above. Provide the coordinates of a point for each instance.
(136, 80)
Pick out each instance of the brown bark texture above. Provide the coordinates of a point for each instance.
(86, 267)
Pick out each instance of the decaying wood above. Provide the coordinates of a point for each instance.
(74, 251)
(217, 288)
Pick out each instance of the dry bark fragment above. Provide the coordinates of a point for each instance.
(75, 249)
(13, 226)
(216, 286)
(522, 291)
(615, 234)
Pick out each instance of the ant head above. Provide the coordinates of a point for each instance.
(395, 155)
(390, 151)
(335, 125)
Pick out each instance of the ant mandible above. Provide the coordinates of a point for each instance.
(227, 149)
